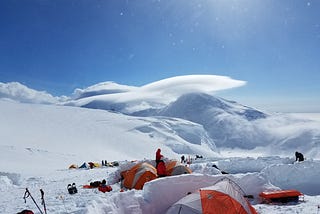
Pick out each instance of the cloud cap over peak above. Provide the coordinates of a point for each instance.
(157, 93)
(176, 86)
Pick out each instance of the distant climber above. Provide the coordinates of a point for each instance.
(299, 157)
(183, 159)
(158, 157)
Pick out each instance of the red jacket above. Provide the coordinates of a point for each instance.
(158, 155)
(161, 169)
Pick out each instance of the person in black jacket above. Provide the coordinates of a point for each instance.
(299, 156)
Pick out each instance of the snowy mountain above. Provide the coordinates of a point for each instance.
(225, 124)
(155, 95)
(39, 142)
(228, 123)
(87, 134)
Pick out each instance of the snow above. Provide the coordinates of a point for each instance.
(39, 142)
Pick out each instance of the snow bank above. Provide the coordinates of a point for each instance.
(303, 176)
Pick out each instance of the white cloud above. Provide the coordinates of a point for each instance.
(169, 89)
(161, 92)
(21, 93)
(174, 87)
(155, 94)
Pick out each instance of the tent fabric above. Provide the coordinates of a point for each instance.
(225, 197)
(73, 166)
(96, 164)
(230, 188)
(176, 168)
(84, 166)
(187, 205)
(220, 203)
(138, 175)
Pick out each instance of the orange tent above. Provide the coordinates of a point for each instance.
(73, 166)
(225, 197)
(138, 175)
(176, 168)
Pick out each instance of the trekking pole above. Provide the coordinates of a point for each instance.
(26, 195)
(43, 202)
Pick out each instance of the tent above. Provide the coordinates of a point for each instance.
(84, 166)
(138, 175)
(94, 165)
(73, 166)
(176, 168)
(224, 197)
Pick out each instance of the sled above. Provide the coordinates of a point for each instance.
(281, 196)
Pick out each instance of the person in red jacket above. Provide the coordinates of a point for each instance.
(158, 157)
(161, 169)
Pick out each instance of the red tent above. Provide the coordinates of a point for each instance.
(176, 168)
(138, 175)
(224, 197)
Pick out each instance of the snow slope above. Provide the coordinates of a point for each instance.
(228, 124)
(34, 131)
(39, 142)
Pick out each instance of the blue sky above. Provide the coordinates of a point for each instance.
(61, 45)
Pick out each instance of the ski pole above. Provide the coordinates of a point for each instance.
(26, 195)
(43, 202)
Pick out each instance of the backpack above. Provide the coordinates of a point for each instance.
(105, 188)
(72, 189)
(95, 184)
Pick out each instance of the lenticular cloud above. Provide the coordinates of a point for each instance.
(176, 86)
(167, 90)
(162, 92)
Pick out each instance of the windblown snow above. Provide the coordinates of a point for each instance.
(180, 115)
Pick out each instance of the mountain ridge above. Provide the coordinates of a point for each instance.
(226, 123)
